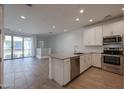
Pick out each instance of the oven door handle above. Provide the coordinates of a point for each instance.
(112, 55)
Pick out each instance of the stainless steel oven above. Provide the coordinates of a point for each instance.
(117, 39)
(112, 59)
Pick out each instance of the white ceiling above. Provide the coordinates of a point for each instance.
(41, 18)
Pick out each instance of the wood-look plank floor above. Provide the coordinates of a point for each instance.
(27, 73)
(32, 73)
(95, 78)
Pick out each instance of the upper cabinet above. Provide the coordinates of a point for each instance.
(93, 36)
(114, 28)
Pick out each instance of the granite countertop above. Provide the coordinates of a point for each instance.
(62, 56)
(66, 56)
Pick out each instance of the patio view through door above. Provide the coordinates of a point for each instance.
(8, 47)
(27, 47)
(17, 47)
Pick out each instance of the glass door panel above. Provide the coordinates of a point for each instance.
(7, 47)
(17, 47)
(27, 47)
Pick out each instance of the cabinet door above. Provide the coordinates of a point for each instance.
(89, 37)
(67, 71)
(86, 37)
(114, 28)
(96, 58)
(82, 63)
(98, 35)
(107, 30)
(118, 28)
(58, 71)
(88, 60)
(85, 62)
(92, 36)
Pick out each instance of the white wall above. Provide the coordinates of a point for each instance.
(64, 43)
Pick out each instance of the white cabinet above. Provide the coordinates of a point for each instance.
(93, 36)
(89, 60)
(98, 36)
(113, 28)
(85, 62)
(60, 70)
(43, 52)
(96, 60)
(67, 71)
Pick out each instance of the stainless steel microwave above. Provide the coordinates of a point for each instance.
(117, 39)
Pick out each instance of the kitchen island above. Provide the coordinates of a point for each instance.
(64, 67)
(60, 68)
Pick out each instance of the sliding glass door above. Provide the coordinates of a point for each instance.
(27, 47)
(8, 47)
(17, 47)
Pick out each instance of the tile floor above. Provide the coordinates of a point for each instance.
(27, 73)
(32, 73)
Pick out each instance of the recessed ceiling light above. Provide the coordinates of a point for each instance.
(77, 19)
(22, 17)
(53, 27)
(65, 30)
(91, 20)
(19, 29)
(81, 11)
(122, 9)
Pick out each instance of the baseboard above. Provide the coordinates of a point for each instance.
(97, 67)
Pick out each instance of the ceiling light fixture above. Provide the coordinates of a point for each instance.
(77, 19)
(65, 30)
(122, 9)
(81, 11)
(22, 17)
(91, 20)
(53, 27)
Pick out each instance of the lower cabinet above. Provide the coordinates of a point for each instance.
(67, 71)
(96, 60)
(89, 60)
(85, 62)
(61, 71)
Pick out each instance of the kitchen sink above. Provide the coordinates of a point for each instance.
(78, 53)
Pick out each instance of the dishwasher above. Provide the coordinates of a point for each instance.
(75, 66)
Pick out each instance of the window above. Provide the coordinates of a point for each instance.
(8, 47)
(27, 47)
(17, 47)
